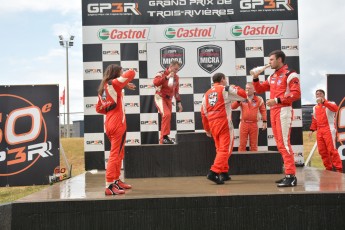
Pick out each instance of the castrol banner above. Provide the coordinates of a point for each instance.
(29, 134)
(261, 30)
(191, 32)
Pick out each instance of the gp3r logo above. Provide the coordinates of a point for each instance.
(23, 134)
(266, 4)
(115, 7)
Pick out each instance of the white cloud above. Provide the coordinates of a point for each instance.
(63, 6)
(321, 44)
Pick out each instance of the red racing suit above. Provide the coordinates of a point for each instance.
(284, 87)
(250, 112)
(323, 121)
(216, 118)
(163, 99)
(115, 124)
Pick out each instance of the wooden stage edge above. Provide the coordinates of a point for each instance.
(245, 202)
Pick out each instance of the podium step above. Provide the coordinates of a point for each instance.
(193, 155)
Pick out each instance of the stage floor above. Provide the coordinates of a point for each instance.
(90, 186)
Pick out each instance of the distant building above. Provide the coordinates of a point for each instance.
(307, 111)
(76, 129)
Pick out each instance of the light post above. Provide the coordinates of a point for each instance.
(68, 43)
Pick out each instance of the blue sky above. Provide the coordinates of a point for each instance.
(31, 54)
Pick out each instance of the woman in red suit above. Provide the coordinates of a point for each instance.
(110, 103)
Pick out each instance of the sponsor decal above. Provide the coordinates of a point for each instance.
(191, 32)
(299, 118)
(197, 102)
(254, 48)
(210, 57)
(270, 136)
(24, 131)
(240, 67)
(172, 53)
(213, 98)
(58, 175)
(126, 69)
(113, 9)
(256, 30)
(90, 106)
(132, 141)
(124, 34)
(289, 47)
(93, 71)
(186, 85)
(131, 104)
(94, 142)
(265, 5)
(150, 86)
(185, 121)
(111, 52)
(149, 122)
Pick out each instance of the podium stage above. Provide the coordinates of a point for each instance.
(245, 202)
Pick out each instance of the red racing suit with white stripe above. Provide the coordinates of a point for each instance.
(251, 109)
(163, 99)
(284, 87)
(115, 124)
(323, 120)
(216, 118)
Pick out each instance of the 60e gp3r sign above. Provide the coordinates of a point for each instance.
(29, 134)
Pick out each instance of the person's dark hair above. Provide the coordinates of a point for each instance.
(278, 54)
(217, 77)
(320, 90)
(111, 72)
(175, 62)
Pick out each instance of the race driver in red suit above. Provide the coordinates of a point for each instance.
(284, 87)
(163, 97)
(251, 109)
(216, 120)
(323, 120)
(110, 89)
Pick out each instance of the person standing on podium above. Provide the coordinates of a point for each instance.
(251, 109)
(217, 123)
(167, 87)
(323, 121)
(284, 87)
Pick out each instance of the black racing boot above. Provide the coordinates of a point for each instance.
(288, 181)
(280, 180)
(225, 176)
(167, 140)
(215, 177)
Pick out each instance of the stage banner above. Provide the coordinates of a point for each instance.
(335, 92)
(29, 134)
(124, 12)
(198, 59)
(191, 32)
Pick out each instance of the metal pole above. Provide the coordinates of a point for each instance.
(68, 133)
(308, 161)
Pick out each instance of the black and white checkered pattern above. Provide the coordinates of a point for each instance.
(143, 120)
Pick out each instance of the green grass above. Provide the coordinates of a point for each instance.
(74, 150)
